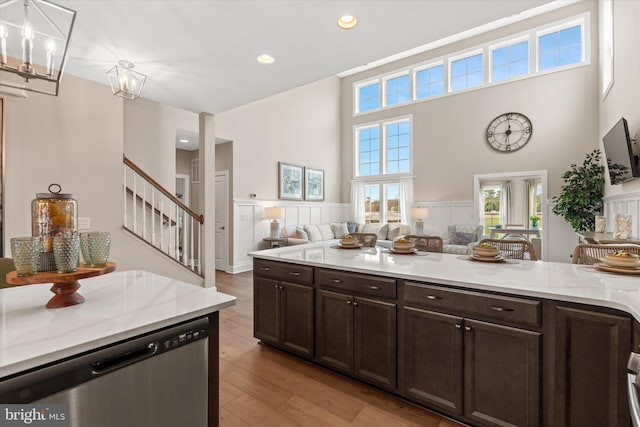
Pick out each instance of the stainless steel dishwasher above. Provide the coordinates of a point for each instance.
(158, 379)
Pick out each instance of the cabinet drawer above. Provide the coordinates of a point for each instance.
(502, 308)
(281, 271)
(361, 284)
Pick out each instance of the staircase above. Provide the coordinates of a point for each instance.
(159, 218)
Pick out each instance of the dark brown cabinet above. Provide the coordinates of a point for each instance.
(357, 336)
(591, 351)
(486, 372)
(284, 314)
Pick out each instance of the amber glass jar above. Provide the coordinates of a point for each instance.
(53, 214)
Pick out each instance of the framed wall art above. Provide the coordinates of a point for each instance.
(290, 181)
(313, 184)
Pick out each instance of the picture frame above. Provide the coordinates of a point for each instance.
(290, 181)
(313, 184)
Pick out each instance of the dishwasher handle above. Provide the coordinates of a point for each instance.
(121, 360)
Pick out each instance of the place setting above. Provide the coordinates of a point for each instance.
(348, 242)
(486, 252)
(402, 246)
(621, 262)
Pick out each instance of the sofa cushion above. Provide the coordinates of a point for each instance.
(397, 230)
(299, 233)
(459, 238)
(339, 229)
(313, 232)
(325, 231)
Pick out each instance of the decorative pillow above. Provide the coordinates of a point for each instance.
(339, 229)
(352, 227)
(397, 230)
(299, 233)
(369, 228)
(382, 232)
(462, 238)
(326, 231)
(313, 232)
(284, 233)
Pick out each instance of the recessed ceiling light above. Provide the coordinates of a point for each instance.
(265, 59)
(347, 22)
(184, 141)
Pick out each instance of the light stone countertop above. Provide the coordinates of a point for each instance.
(558, 281)
(117, 306)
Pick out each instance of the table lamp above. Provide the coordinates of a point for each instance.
(274, 213)
(418, 214)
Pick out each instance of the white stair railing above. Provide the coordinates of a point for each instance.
(150, 209)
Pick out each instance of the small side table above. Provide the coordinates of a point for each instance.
(275, 242)
(65, 285)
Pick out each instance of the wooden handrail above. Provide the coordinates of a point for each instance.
(160, 188)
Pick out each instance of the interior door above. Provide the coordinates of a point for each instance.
(222, 213)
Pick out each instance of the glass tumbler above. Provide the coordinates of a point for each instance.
(84, 247)
(26, 255)
(601, 224)
(99, 246)
(66, 250)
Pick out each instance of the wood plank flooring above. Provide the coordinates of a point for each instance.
(261, 386)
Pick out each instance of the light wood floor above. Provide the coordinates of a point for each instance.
(261, 386)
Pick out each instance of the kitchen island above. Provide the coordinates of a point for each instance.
(512, 343)
(118, 307)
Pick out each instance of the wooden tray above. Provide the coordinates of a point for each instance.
(65, 285)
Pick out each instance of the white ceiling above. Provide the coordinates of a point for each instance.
(200, 55)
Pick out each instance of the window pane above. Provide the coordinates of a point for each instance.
(369, 97)
(519, 68)
(474, 79)
(459, 83)
(570, 37)
(397, 90)
(560, 48)
(437, 88)
(510, 61)
(392, 204)
(519, 51)
(392, 167)
(570, 55)
(403, 153)
(500, 56)
(547, 43)
(372, 203)
(375, 168)
(403, 166)
(429, 82)
(474, 63)
(368, 151)
(458, 68)
(468, 72)
(500, 73)
(547, 61)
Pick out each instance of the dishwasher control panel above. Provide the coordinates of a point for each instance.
(184, 337)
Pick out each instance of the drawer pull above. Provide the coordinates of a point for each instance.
(355, 304)
(467, 328)
(431, 297)
(336, 280)
(373, 287)
(295, 273)
(498, 308)
(458, 326)
(348, 301)
(265, 268)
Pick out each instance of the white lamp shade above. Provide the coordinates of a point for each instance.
(419, 213)
(274, 213)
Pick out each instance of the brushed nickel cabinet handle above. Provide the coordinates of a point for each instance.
(373, 287)
(355, 304)
(348, 301)
(458, 326)
(467, 328)
(431, 297)
(498, 308)
(275, 286)
(295, 273)
(265, 268)
(336, 280)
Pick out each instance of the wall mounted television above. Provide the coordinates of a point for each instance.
(618, 150)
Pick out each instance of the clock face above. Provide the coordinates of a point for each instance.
(509, 132)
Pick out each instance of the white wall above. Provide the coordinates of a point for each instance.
(75, 140)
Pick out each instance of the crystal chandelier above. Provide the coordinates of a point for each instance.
(34, 38)
(124, 81)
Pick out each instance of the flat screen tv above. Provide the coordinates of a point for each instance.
(618, 150)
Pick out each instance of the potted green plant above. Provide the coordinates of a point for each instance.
(534, 222)
(580, 197)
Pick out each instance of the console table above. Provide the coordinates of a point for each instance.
(603, 238)
(514, 232)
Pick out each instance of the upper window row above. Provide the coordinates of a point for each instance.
(554, 48)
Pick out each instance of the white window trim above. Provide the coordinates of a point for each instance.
(388, 77)
(464, 55)
(414, 80)
(383, 148)
(356, 90)
(583, 19)
(382, 186)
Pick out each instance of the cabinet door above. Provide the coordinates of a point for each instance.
(590, 369)
(501, 375)
(296, 318)
(374, 326)
(265, 310)
(430, 352)
(334, 330)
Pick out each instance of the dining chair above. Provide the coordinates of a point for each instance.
(513, 248)
(367, 240)
(587, 253)
(426, 243)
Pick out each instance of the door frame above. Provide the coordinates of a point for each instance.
(225, 261)
(186, 199)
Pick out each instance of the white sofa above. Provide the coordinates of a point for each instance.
(301, 234)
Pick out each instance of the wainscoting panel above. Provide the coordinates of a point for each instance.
(443, 214)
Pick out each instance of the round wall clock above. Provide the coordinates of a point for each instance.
(509, 132)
